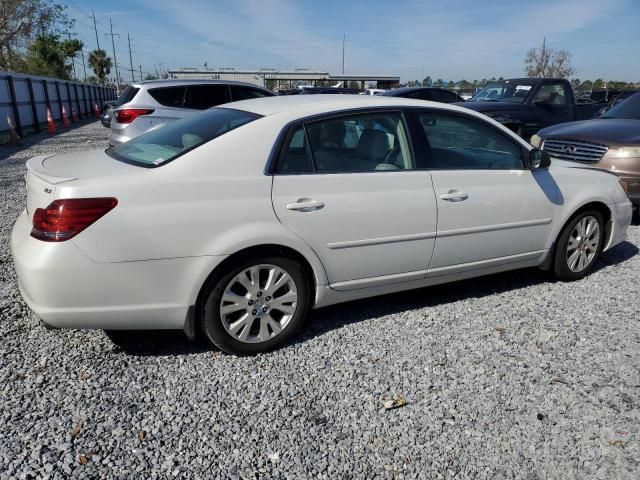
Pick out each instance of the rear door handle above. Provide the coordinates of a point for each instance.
(305, 205)
(454, 196)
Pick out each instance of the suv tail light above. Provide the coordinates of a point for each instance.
(128, 115)
(64, 219)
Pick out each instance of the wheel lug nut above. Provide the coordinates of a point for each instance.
(250, 302)
(264, 309)
(259, 294)
(253, 312)
(268, 299)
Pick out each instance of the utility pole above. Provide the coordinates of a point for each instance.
(133, 78)
(95, 27)
(84, 66)
(115, 62)
(344, 37)
(140, 72)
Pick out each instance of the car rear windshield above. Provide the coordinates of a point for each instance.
(127, 95)
(169, 142)
(629, 109)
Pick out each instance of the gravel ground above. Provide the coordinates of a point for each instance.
(510, 376)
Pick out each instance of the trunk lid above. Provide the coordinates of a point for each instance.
(45, 172)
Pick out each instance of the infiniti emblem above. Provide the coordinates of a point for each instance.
(569, 149)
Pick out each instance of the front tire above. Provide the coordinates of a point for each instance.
(579, 246)
(256, 306)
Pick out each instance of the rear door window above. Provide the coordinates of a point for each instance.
(444, 96)
(295, 156)
(127, 95)
(246, 93)
(420, 95)
(168, 96)
(551, 94)
(201, 97)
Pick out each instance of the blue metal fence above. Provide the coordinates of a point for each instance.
(24, 100)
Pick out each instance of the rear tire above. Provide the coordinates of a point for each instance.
(579, 246)
(255, 306)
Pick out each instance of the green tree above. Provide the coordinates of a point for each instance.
(48, 56)
(451, 85)
(23, 23)
(587, 85)
(100, 63)
(439, 83)
(427, 82)
(598, 84)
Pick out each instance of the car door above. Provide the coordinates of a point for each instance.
(554, 104)
(490, 207)
(348, 186)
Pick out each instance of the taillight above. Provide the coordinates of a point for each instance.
(128, 115)
(64, 219)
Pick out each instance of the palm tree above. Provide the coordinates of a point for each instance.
(100, 63)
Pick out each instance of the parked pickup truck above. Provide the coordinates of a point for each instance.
(526, 105)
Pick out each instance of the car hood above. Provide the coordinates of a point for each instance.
(492, 106)
(607, 131)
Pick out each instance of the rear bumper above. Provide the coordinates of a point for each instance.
(621, 214)
(66, 289)
(117, 139)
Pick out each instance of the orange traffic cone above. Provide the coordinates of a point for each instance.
(74, 115)
(51, 126)
(65, 119)
(13, 135)
(96, 112)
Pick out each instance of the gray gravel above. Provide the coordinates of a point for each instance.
(511, 376)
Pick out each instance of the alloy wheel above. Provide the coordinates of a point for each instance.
(583, 244)
(258, 303)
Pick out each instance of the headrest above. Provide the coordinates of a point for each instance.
(373, 144)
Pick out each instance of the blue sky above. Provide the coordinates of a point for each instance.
(449, 39)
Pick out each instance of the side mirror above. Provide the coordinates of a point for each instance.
(539, 159)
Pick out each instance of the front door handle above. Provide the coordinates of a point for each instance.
(454, 196)
(305, 205)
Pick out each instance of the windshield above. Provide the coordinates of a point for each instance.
(160, 146)
(505, 91)
(629, 108)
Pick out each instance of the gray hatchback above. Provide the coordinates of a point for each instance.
(144, 106)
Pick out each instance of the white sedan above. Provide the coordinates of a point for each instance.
(235, 222)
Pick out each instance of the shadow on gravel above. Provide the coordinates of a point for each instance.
(157, 343)
(164, 343)
(9, 149)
